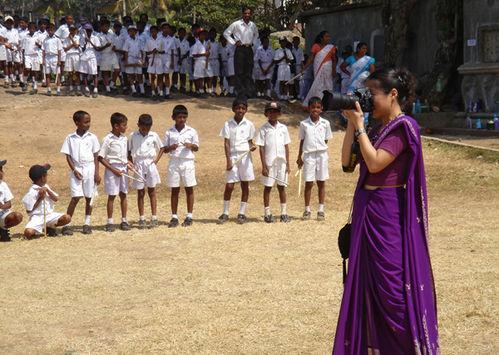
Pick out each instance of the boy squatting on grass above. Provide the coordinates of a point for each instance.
(81, 149)
(314, 133)
(113, 155)
(238, 134)
(143, 148)
(39, 203)
(273, 140)
(8, 218)
(181, 141)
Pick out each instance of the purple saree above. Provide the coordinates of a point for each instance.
(389, 302)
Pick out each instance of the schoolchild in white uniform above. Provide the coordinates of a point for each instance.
(113, 155)
(42, 33)
(264, 58)
(30, 45)
(273, 140)
(90, 45)
(153, 50)
(133, 60)
(167, 58)
(176, 59)
(238, 134)
(13, 57)
(3, 53)
(52, 51)
(297, 52)
(118, 42)
(8, 218)
(144, 147)
(62, 33)
(39, 203)
(282, 59)
(108, 60)
(314, 133)
(213, 68)
(183, 59)
(22, 31)
(71, 46)
(81, 149)
(200, 55)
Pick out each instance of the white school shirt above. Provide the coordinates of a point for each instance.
(31, 197)
(176, 43)
(22, 34)
(81, 148)
(134, 47)
(298, 54)
(30, 44)
(90, 52)
(274, 139)
(12, 37)
(198, 48)
(239, 30)
(214, 51)
(144, 147)
(281, 53)
(62, 32)
(52, 46)
(186, 135)
(314, 135)
(238, 135)
(167, 45)
(265, 55)
(184, 47)
(5, 194)
(105, 38)
(114, 149)
(224, 53)
(41, 35)
(151, 44)
(68, 41)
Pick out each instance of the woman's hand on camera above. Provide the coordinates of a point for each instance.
(355, 117)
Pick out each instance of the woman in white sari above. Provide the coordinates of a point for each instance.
(358, 66)
(323, 56)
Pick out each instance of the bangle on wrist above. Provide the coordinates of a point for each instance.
(359, 131)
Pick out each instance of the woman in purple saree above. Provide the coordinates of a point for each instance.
(389, 302)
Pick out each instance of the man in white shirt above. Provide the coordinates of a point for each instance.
(243, 34)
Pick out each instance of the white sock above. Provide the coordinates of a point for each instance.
(268, 93)
(284, 209)
(231, 89)
(70, 87)
(167, 90)
(87, 89)
(108, 88)
(267, 211)
(35, 85)
(208, 90)
(174, 216)
(142, 218)
(123, 220)
(321, 208)
(189, 215)
(134, 90)
(110, 221)
(141, 86)
(111, 84)
(87, 220)
(242, 207)
(154, 218)
(58, 89)
(78, 87)
(307, 209)
(160, 92)
(226, 207)
(95, 90)
(21, 78)
(153, 93)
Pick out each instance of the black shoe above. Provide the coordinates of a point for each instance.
(51, 232)
(110, 228)
(268, 219)
(223, 218)
(4, 235)
(173, 223)
(67, 230)
(154, 223)
(321, 216)
(187, 222)
(124, 226)
(87, 229)
(241, 219)
(284, 218)
(306, 215)
(142, 224)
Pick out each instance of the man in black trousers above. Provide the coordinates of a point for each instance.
(243, 33)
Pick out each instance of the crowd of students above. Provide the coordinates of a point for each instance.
(140, 59)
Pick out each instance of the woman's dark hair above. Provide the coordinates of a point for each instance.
(360, 45)
(397, 78)
(319, 37)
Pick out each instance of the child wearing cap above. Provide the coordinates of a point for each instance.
(90, 44)
(8, 218)
(71, 46)
(181, 141)
(81, 149)
(52, 51)
(238, 134)
(273, 140)
(282, 59)
(39, 203)
(143, 148)
(11, 43)
(113, 155)
(314, 132)
(133, 58)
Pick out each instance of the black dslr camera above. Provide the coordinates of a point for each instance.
(336, 101)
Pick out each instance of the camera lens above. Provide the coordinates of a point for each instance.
(342, 102)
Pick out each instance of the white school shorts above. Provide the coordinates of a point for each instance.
(113, 184)
(230, 67)
(259, 73)
(88, 66)
(3, 53)
(155, 67)
(51, 66)
(36, 222)
(213, 69)
(149, 171)
(109, 62)
(72, 63)
(283, 73)
(3, 216)
(315, 166)
(63, 56)
(199, 70)
(277, 170)
(241, 172)
(167, 64)
(181, 171)
(13, 56)
(86, 186)
(133, 70)
(32, 62)
(184, 66)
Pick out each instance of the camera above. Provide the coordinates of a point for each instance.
(336, 101)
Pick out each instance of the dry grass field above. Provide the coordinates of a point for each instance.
(255, 288)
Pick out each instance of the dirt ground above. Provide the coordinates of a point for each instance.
(255, 288)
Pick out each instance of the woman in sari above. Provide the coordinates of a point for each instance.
(389, 302)
(358, 67)
(323, 56)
